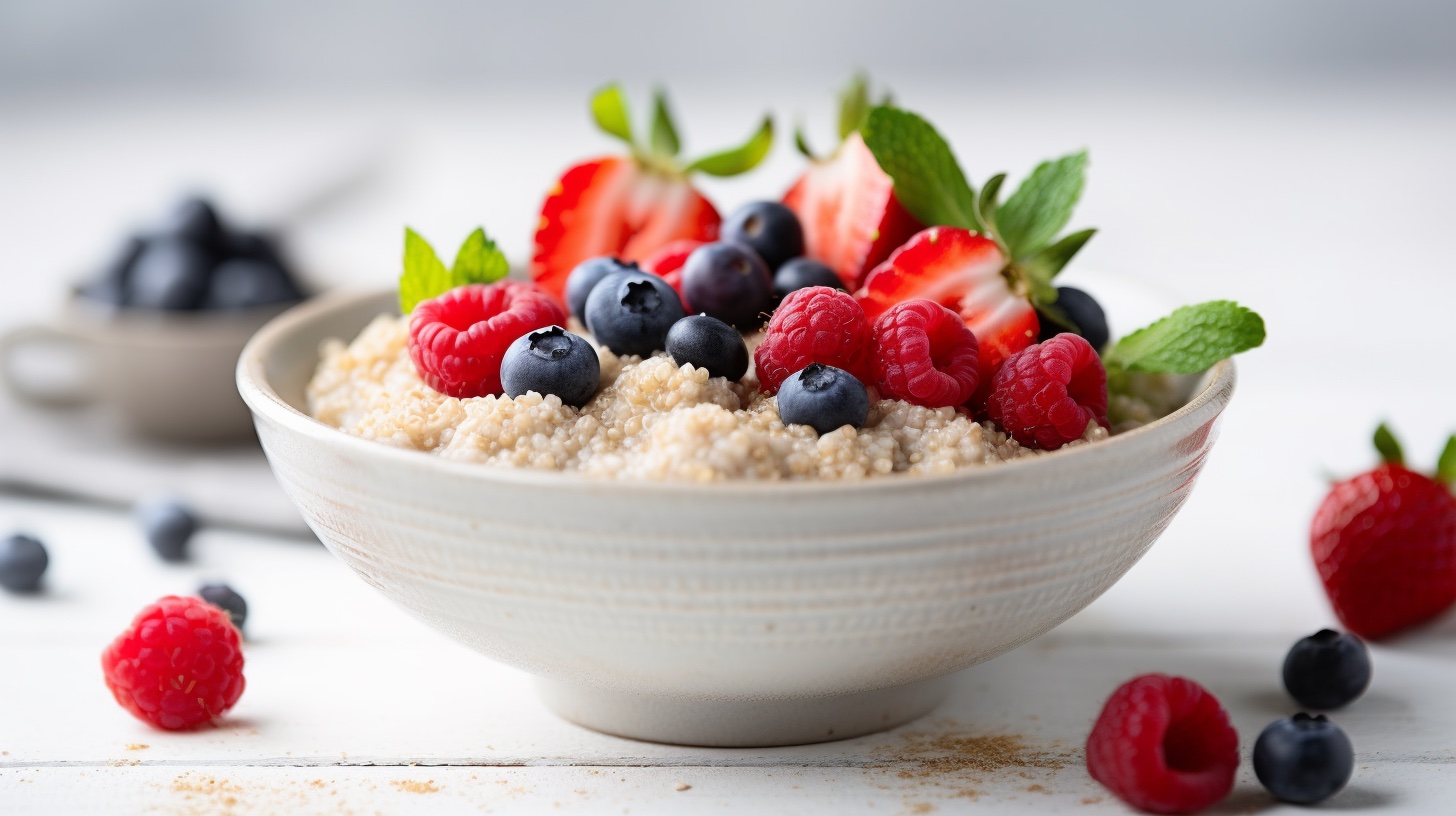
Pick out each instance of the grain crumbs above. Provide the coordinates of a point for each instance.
(415, 786)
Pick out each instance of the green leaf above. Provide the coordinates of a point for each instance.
(1446, 465)
(1042, 205)
(1189, 340)
(740, 159)
(664, 133)
(854, 104)
(1044, 266)
(478, 261)
(424, 275)
(1388, 446)
(609, 109)
(801, 144)
(986, 205)
(928, 181)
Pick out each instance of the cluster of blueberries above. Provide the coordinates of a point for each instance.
(732, 284)
(192, 261)
(168, 525)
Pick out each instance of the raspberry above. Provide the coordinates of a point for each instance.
(458, 339)
(923, 353)
(179, 665)
(814, 325)
(1164, 744)
(1044, 395)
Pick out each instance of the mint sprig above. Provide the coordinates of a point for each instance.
(660, 153)
(928, 179)
(425, 276)
(1189, 340)
(1039, 209)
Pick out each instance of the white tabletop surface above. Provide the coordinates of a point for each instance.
(1327, 209)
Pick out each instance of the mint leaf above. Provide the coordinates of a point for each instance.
(1189, 340)
(1042, 205)
(478, 261)
(664, 133)
(987, 204)
(740, 159)
(854, 103)
(928, 181)
(609, 109)
(1043, 267)
(1388, 446)
(424, 276)
(1446, 465)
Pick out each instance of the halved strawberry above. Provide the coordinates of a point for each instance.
(631, 206)
(667, 263)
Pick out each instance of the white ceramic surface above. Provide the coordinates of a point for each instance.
(723, 614)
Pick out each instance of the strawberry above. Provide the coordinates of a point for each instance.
(667, 263)
(631, 206)
(852, 220)
(1385, 544)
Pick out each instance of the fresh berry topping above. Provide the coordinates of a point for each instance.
(1045, 395)
(23, 561)
(768, 228)
(730, 282)
(552, 361)
(244, 283)
(168, 525)
(1385, 546)
(458, 339)
(667, 263)
(825, 398)
(1303, 760)
(228, 600)
(631, 312)
(801, 273)
(814, 325)
(178, 666)
(1164, 744)
(708, 343)
(194, 220)
(170, 274)
(1085, 314)
(586, 276)
(1327, 670)
(924, 354)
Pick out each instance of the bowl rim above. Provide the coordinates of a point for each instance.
(263, 400)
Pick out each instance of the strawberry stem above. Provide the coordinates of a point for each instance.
(1388, 446)
(1446, 465)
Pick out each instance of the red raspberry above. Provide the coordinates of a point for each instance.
(1164, 744)
(179, 665)
(1045, 394)
(923, 353)
(813, 325)
(457, 340)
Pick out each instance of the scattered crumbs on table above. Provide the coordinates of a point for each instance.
(122, 763)
(682, 786)
(1036, 789)
(1091, 800)
(947, 761)
(317, 783)
(921, 807)
(415, 786)
(137, 746)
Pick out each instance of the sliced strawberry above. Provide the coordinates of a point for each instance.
(851, 217)
(667, 263)
(963, 271)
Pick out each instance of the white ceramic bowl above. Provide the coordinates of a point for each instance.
(755, 613)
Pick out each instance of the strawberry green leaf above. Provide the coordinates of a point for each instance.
(1189, 340)
(664, 133)
(478, 261)
(609, 109)
(1042, 205)
(1446, 465)
(854, 104)
(1388, 446)
(986, 205)
(1045, 265)
(801, 144)
(928, 181)
(740, 159)
(424, 275)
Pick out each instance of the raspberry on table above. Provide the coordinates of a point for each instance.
(458, 339)
(178, 666)
(1045, 394)
(814, 325)
(1164, 745)
(923, 353)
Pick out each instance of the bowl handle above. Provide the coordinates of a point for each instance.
(70, 380)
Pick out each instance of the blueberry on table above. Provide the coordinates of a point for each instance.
(168, 525)
(630, 312)
(1303, 760)
(768, 228)
(585, 277)
(242, 283)
(110, 284)
(228, 600)
(194, 220)
(1084, 312)
(1327, 670)
(730, 282)
(801, 273)
(23, 561)
(552, 361)
(823, 397)
(708, 343)
(170, 274)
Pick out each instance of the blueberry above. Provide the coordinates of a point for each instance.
(170, 274)
(23, 561)
(228, 600)
(730, 282)
(110, 285)
(801, 273)
(708, 343)
(194, 220)
(630, 312)
(552, 361)
(823, 397)
(169, 526)
(255, 246)
(1327, 670)
(242, 283)
(769, 228)
(584, 278)
(1085, 314)
(1303, 760)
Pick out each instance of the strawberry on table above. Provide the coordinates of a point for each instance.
(630, 206)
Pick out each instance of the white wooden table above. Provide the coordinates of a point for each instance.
(353, 707)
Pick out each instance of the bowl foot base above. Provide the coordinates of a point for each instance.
(742, 723)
